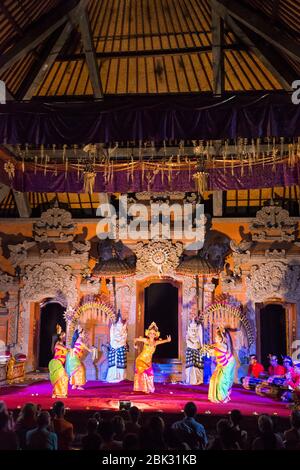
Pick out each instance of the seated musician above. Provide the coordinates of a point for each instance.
(272, 386)
(254, 375)
(292, 379)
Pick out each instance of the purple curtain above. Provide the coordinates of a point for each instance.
(259, 177)
(150, 118)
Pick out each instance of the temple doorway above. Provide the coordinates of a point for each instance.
(52, 313)
(273, 331)
(161, 306)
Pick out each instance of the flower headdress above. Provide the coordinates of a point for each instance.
(152, 327)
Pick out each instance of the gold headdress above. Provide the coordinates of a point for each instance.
(58, 329)
(152, 327)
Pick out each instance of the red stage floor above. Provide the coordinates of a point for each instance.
(169, 398)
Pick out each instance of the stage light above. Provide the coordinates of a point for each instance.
(207, 412)
(255, 413)
(124, 405)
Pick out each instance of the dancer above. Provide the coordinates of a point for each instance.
(193, 364)
(222, 378)
(143, 377)
(74, 365)
(58, 375)
(117, 355)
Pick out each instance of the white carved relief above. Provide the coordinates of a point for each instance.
(158, 257)
(274, 279)
(81, 247)
(55, 224)
(273, 223)
(7, 282)
(125, 297)
(49, 279)
(19, 252)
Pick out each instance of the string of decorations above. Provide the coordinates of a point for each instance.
(198, 159)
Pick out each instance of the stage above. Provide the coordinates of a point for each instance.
(168, 398)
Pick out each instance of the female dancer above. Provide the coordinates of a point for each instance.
(58, 375)
(143, 377)
(222, 378)
(74, 364)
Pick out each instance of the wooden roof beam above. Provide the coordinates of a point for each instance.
(11, 19)
(22, 203)
(255, 22)
(37, 33)
(89, 50)
(41, 68)
(4, 190)
(269, 56)
(217, 52)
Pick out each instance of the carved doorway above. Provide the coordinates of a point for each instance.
(52, 313)
(160, 300)
(276, 327)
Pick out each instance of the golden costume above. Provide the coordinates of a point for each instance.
(58, 375)
(144, 377)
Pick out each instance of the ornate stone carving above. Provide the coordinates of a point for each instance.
(56, 224)
(274, 279)
(272, 223)
(81, 247)
(241, 247)
(159, 257)
(19, 252)
(48, 253)
(6, 281)
(275, 254)
(49, 279)
(231, 278)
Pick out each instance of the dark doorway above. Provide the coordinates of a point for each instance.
(272, 331)
(52, 313)
(161, 306)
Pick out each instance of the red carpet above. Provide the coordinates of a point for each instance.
(169, 398)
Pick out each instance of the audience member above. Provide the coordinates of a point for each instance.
(189, 430)
(268, 439)
(92, 441)
(62, 427)
(26, 421)
(8, 438)
(41, 438)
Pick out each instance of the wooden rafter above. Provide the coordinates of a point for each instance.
(217, 52)
(46, 60)
(11, 19)
(89, 51)
(255, 22)
(37, 33)
(269, 56)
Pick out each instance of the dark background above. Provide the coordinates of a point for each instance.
(51, 315)
(161, 306)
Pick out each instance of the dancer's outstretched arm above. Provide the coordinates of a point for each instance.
(139, 340)
(162, 341)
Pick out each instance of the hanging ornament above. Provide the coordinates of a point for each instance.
(9, 168)
(201, 177)
(89, 176)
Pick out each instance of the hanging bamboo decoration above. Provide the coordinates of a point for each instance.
(89, 177)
